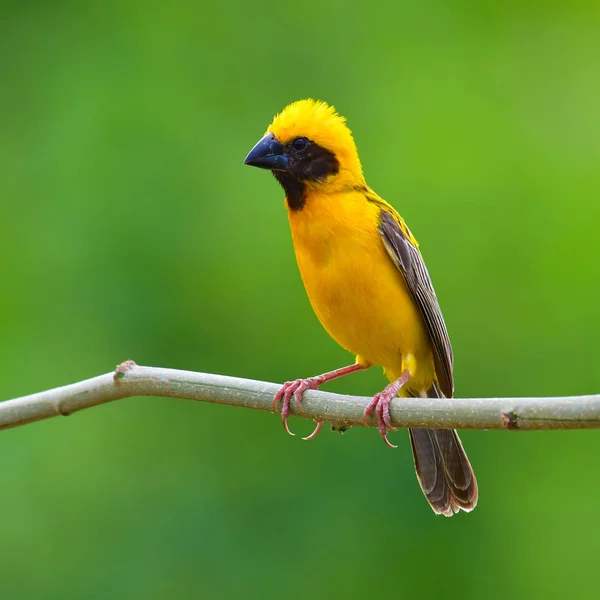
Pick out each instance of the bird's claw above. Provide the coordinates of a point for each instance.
(315, 433)
(296, 389)
(381, 405)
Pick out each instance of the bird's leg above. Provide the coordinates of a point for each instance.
(381, 405)
(298, 387)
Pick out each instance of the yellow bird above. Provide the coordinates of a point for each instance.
(368, 285)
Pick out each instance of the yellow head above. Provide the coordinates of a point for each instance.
(308, 146)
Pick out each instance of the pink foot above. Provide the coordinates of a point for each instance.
(296, 389)
(381, 405)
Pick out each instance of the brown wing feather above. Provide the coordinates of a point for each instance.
(408, 259)
(443, 469)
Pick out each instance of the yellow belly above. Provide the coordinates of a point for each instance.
(355, 289)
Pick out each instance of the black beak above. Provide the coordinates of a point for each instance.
(268, 154)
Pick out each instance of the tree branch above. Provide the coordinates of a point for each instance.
(129, 379)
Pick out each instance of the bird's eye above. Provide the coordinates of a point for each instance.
(300, 144)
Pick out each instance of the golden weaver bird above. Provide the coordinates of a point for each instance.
(368, 285)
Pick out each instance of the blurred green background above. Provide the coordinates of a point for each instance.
(129, 228)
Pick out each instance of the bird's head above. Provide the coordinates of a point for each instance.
(308, 146)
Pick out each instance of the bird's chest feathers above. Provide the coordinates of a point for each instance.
(332, 235)
(354, 287)
(341, 256)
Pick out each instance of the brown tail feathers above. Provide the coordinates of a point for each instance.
(443, 469)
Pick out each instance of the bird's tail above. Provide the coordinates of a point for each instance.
(443, 469)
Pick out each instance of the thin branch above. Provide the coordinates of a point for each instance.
(129, 379)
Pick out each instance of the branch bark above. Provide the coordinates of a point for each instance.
(129, 379)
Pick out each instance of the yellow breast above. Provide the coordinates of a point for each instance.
(355, 289)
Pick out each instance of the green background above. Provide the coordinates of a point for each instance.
(129, 228)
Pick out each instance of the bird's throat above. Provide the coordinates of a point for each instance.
(295, 190)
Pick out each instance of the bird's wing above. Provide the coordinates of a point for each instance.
(403, 250)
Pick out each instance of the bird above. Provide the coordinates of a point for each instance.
(368, 285)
